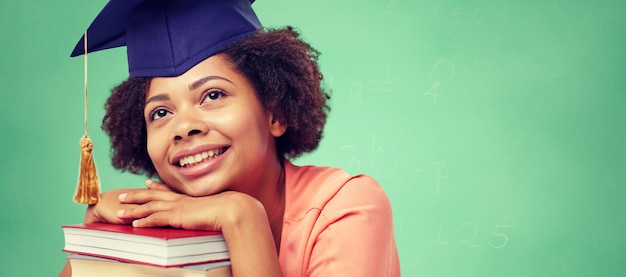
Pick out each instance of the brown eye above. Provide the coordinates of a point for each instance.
(212, 96)
(158, 114)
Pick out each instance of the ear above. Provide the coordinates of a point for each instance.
(277, 128)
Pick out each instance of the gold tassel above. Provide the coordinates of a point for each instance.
(88, 191)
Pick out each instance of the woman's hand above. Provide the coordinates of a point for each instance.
(106, 210)
(160, 206)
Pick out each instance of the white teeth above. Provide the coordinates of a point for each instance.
(194, 159)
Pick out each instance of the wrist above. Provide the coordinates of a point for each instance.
(249, 238)
(245, 212)
(90, 214)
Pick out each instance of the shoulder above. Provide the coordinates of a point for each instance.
(328, 216)
(331, 189)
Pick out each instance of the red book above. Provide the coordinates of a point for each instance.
(165, 247)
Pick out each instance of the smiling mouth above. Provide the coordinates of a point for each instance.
(192, 160)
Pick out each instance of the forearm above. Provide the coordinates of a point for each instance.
(250, 241)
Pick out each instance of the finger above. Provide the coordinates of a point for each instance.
(124, 220)
(142, 196)
(123, 198)
(152, 184)
(145, 210)
(97, 218)
(157, 219)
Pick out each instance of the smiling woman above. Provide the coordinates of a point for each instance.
(216, 123)
(211, 114)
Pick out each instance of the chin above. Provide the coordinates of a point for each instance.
(195, 188)
(197, 191)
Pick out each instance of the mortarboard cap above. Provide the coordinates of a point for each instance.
(166, 38)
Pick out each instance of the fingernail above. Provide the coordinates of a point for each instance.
(122, 196)
(135, 223)
(120, 213)
(149, 183)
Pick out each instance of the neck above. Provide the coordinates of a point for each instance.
(272, 196)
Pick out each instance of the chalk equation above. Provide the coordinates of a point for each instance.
(456, 16)
(470, 234)
(374, 161)
(378, 83)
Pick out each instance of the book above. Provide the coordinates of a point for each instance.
(89, 266)
(166, 247)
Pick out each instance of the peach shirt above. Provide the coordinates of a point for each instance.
(336, 225)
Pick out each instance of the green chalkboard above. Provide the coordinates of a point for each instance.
(497, 128)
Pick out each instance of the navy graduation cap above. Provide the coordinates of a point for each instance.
(166, 38)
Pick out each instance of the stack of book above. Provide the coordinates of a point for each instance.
(99, 249)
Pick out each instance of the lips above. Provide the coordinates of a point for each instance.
(190, 160)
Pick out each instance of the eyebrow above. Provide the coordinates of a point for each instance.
(192, 86)
(203, 80)
(158, 97)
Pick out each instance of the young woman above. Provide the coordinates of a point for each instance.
(218, 139)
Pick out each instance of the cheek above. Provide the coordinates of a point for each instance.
(155, 149)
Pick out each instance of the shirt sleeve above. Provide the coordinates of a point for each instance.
(358, 239)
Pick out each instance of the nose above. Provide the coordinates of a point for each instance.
(188, 124)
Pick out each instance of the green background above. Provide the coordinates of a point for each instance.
(497, 128)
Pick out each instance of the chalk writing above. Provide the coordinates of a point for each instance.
(388, 9)
(457, 15)
(374, 160)
(388, 80)
(476, 18)
(441, 73)
(442, 175)
(499, 239)
(432, 15)
(470, 234)
(354, 165)
(439, 240)
(377, 157)
(434, 91)
(356, 95)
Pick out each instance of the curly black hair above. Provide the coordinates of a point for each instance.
(287, 79)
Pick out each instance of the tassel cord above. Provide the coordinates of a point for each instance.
(88, 190)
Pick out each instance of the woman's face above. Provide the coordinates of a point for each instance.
(207, 131)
